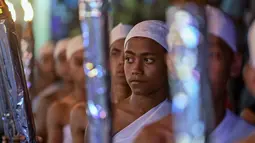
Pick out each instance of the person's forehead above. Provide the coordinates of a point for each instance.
(118, 44)
(62, 53)
(140, 44)
(47, 55)
(217, 44)
(213, 39)
(78, 54)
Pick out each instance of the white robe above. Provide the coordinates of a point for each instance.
(128, 134)
(46, 92)
(231, 129)
(67, 135)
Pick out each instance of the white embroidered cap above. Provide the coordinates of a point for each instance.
(60, 47)
(152, 29)
(119, 32)
(74, 45)
(221, 26)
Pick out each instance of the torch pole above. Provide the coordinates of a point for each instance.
(188, 56)
(94, 25)
(15, 108)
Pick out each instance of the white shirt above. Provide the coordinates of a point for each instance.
(46, 92)
(128, 134)
(231, 129)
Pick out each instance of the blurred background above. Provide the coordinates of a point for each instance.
(57, 19)
(53, 20)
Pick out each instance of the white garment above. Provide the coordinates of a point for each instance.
(67, 134)
(46, 92)
(231, 129)
(128, 134)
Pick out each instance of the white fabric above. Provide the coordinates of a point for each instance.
(231, 129)
(67, 134)
(74, 45)
(221, 26)
(152, 29)
(119, 32)
(128, 134)
(251, 43)
(46, 92)
(60, 47)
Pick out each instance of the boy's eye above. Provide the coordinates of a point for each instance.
(129, 59)
(149, 60)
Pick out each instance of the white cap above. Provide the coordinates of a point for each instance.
(221, 26)
(119, 32)
(152, 29)
(60, 47)
(251, 43)
(74, 45)
(47, 48)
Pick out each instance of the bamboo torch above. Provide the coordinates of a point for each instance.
(15, 108)
(188, 54)
(94, 25)
(27, 44)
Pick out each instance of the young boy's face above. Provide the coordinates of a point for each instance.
(145, 67)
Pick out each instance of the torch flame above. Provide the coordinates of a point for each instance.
(11, 9)
(28, 10)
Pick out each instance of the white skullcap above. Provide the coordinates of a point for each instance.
(47, 48)
(60, 47)
(251, 43)
(74, 45)
(221, 26)
(152, 29)
(119, 32)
